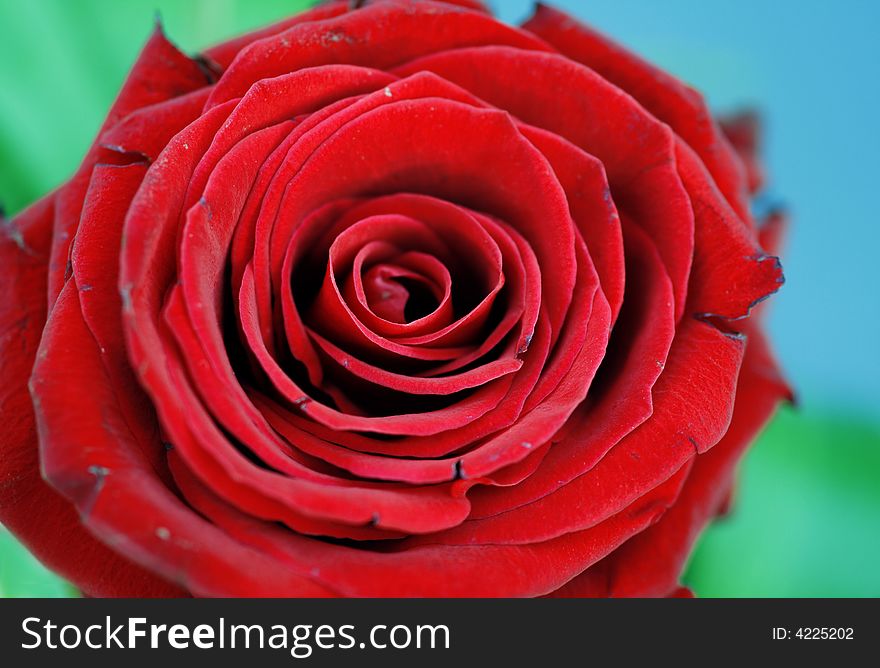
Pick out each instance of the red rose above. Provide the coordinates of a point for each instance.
(396, 300)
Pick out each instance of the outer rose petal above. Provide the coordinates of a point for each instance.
(223, 54)
(55, 533)
(44, 521)
(663, 95)
(160, 73)
(379, 35)
(469, 570)
(100, 467)
(650, 563)
(743, 130)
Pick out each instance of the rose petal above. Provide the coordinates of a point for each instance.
(671, 101)
(637, 151)
(54, 534)
(160, 73)
(472, 571)
(377, 36)
(650, 563)
(693, 401)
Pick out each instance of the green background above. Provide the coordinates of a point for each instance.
(805, 521)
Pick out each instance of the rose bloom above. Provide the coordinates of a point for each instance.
(387, 300)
